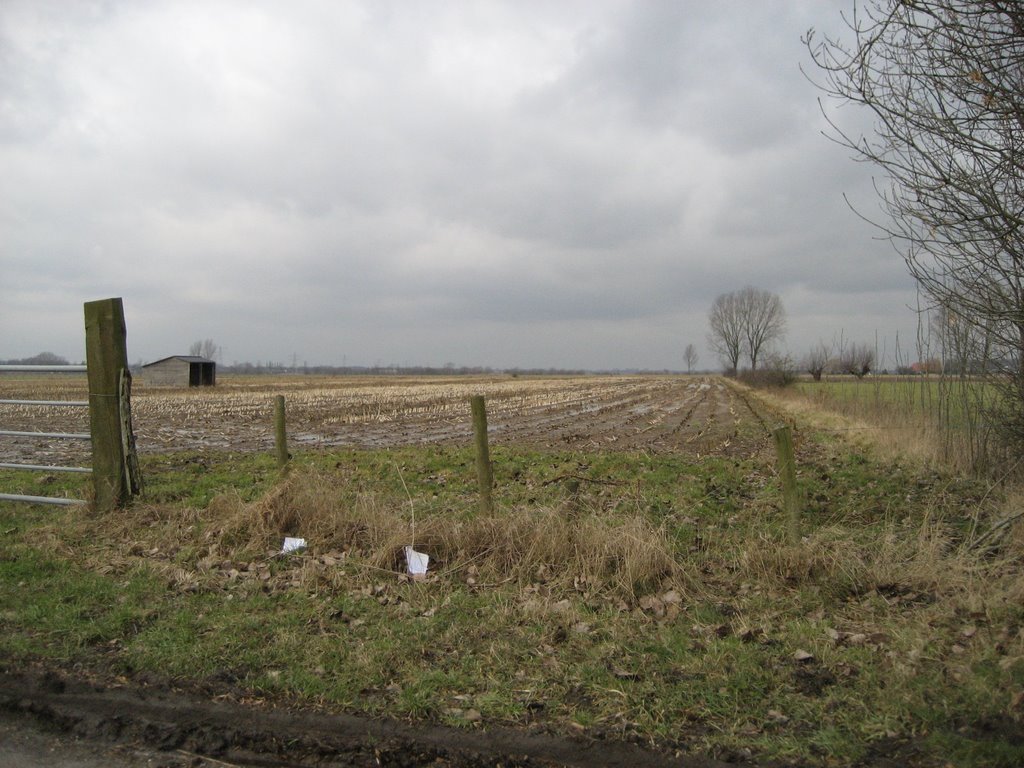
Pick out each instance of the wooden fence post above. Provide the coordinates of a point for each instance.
(107, 360)
(484, 473)
(132, 469)
(280, 435)
(787, 472)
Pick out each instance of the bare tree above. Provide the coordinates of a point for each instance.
(858, 360)
(944, 81)
(817, 360)
(205, 348)
(745, 321)
(764, 321)
(964, 346)
(690, 356)
(725, 334)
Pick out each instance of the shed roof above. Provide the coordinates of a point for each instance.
(183, 358)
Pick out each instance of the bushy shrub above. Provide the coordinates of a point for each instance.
(778, 371)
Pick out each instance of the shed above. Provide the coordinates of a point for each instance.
(181, 371)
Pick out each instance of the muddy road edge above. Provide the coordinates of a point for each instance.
(169, 720)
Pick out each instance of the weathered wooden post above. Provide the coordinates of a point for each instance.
(132, 468)
(484, 473)
(280, 435)
(113, 462)
(787, 473)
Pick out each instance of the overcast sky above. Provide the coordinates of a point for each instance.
(524, 183)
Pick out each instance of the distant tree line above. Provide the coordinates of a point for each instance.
(272, 368)
(43, 358)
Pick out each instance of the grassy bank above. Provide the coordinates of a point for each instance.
(627, 595)
(943, 419)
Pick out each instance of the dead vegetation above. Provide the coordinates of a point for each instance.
(565, 547)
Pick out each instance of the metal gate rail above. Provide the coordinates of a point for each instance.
(45, 368)
(44, 435)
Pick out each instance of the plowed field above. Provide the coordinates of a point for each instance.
(696, 415)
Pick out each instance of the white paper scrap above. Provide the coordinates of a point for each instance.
(417, 562)
(292, 545)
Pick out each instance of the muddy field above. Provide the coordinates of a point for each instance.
(695, 415)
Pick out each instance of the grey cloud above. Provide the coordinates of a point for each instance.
(413, 181)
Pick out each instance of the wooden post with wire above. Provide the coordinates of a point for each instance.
(484, 471)
(114, 465)
(787, 473)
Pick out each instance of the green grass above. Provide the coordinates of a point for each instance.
(64, 485)
(911, 642)
(947, 420)
(948, 400)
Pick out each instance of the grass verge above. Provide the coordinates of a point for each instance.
(624, 595)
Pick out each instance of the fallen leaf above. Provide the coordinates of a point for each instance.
(652, 604)
(624, 674)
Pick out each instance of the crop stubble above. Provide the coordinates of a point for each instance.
(692, 415)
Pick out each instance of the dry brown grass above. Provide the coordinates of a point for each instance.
(926, 560)
(622, 556)
(891, 438)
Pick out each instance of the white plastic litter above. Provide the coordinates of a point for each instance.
(292, 545)
(417, 562)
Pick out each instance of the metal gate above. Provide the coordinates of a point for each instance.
(43, 435)
(116, 478)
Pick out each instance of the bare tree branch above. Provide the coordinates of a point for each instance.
(944, 82)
